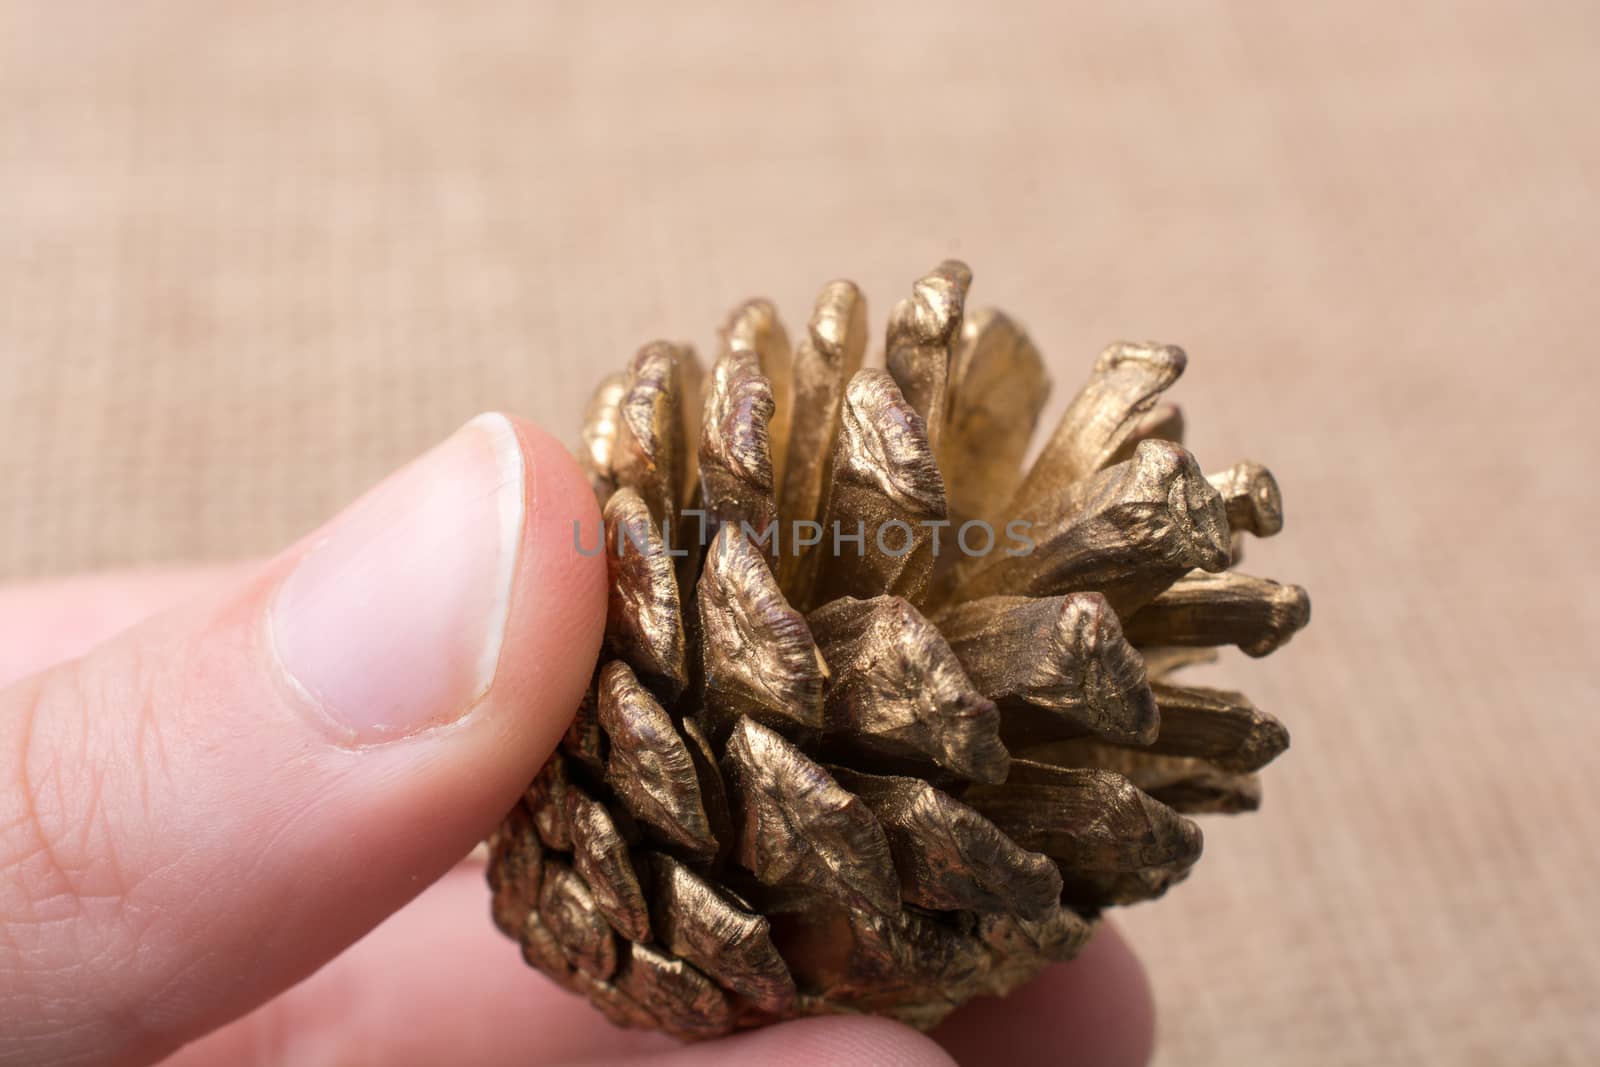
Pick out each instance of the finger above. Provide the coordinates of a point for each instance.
(837, 1040)
(1095, 1010)
(199, 813)
(488, 1008)
(50, 621)
(465, 996)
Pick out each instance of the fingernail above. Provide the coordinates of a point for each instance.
(393, 620)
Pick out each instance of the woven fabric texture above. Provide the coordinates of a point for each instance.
(252, 256)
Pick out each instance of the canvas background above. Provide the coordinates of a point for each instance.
(252, 256)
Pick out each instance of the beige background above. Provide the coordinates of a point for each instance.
(253, 256)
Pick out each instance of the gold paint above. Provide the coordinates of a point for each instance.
(1112, 841)
(899, 694)
(1126, 381)
(600, 858)
(735, 455)
(1127, 532)
(1164, 422)
(644, 619)
(798, 826)
(924, 330)
(754, 327)
(650, 769)
(1056, 665)
(1019, 947)
(949, 857)
(546, 798)
(929, 787)
(1216, 725)
(998, 386)
(1251, 497)
(516, 860)
(830, 355)
(685, 1002)
(1186, 785)
(652, 451)
(695, 920)
(758, 656)
(571, 915)
(602, 424)
(1222, 609)
(884, 485)
(583, 742)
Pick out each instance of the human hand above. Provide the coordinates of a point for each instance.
(202, 817)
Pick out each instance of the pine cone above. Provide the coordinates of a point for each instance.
(887, 772)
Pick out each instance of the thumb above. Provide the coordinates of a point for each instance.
(201, 812)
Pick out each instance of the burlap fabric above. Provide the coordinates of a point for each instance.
(254, 255)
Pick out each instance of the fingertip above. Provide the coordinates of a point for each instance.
(1095, 1010)
(1114, 974)
(561, 540)
(558, 605)
(840, 1041)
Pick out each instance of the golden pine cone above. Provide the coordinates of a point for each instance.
(911, 763)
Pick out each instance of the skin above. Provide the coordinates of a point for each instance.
(184, 872)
